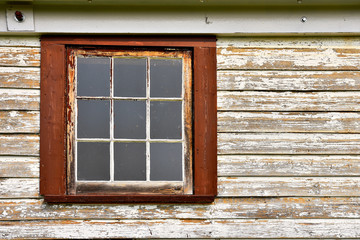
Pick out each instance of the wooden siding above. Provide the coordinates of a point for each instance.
(288, 150)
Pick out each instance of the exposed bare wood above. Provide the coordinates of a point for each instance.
(19, 144)
(16, 77)
(307, 122)
(288, 143)
(289, 80)
(289, 186)
(19, 188)
(15, 99)
(223, 208)
(20, 41)
(239, 228)
(288, 165)
(19, 122)
(19, 167)
(288, 101)
(19, 56)
(231, 57)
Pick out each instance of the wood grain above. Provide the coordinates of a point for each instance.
(19, 122)
(19, 167)
(288, 165)
(176, 228)
(19, 57)
(16, 99)
(20, 41)
(288, 186)
(222, 208)
(288, 143)
(288, 101)
(19, 188)
(302, 122)
(310, 58)
(289, 80)
(17, 77)
(19, 144)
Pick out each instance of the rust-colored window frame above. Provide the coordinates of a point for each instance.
(53, 122)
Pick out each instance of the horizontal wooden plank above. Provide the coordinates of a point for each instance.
(288, 101)
(16, 99)
(19, 167)
(232, 57)
(19, 56)
(289, 42)
(17, 77)
(238, 228)
(19, 144)
(289, 80)
(19, 188)
(288, 186)
(288, 165)
(19, 122)
(288, 143)
(306, 122)
(223, 208)
(20, 41)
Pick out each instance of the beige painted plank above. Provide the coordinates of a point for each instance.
(19, 167)
(288, 186)
(288, 101)
(19, 122)
(237, 228)
(19, 56)
(17, 77)
(288, 165)
(19, 187)
(19, 144)
(222, 208)
(306, 122)
(288, 80)
(288, 143)
(289, 42)
(288, 58)
(20, 41)
(16, 99)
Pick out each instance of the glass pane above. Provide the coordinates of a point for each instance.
(93, 161)
(93, 76)
(130, 161)
(165, 120)
(165, 77)
(129, 77)
(130, 119)
(166, 161)
(93, 119)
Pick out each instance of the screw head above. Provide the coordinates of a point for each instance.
(303, 19)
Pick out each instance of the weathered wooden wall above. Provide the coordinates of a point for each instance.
(289, 152)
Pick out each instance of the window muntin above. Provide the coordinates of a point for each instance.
(130, 89)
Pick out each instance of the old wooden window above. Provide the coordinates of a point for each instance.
(128, 119)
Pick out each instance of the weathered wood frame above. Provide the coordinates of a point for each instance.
(53, 122)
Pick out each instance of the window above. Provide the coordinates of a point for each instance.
(128, 119)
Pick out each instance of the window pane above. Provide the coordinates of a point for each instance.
(130, 119)
(166, 161)
(129, 77)
(165, 120)
(93, 119)
(130, 161)
(93, 161)
(93, 76)
(165, 77)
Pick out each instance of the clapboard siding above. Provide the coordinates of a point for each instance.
(288, 165)
(15, 99)
(17, 77)
(288, 101)
(256, 58)
(19, 121)
(175, 228)
(19, 167)
(223, 208)
(289, 80)
(19, 56)
(19, 144)
(19, 188)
